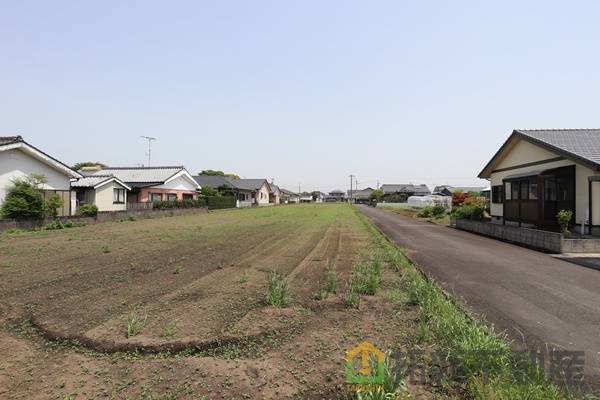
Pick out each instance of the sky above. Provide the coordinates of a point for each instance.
(302, 92)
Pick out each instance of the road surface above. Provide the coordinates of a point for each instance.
(536, 299)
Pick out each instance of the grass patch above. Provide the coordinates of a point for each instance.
(244, 277)
(485, 366)
(277, 290)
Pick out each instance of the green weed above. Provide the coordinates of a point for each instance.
(277, 290)
(244, 277)
(135, 323)
(170, 330)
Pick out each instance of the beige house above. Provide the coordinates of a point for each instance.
(537, 173)
(106, 192)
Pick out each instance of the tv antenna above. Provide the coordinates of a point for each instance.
(149, 139)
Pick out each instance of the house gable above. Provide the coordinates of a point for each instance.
(522, 152)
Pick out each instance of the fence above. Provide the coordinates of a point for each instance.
(140, 206)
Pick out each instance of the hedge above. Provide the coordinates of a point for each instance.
(220, 202)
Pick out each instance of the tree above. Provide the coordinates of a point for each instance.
(53, 203)
(212, 172)
(208, 191)
(225, 190)
(25, 199)
(377, 194)
(80, 165)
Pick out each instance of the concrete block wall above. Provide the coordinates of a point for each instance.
(101, 217)
(543, 240)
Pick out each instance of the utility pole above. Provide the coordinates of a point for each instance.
(149, 139)
(377, 184)
(351, 178)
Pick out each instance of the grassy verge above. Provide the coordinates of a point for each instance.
(484, 365)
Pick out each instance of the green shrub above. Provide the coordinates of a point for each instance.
(88, 210)
(425, 212)
(24, 200)
(187, 203)
(220, 202)
(564, 219)
(277, 290)
(472, 212)
(52, 204)
(54, 225)
(438, 211)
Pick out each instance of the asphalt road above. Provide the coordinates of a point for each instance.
(536, 299)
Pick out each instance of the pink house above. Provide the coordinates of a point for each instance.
(149, 184)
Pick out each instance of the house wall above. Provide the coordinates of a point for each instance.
(15, 164)
(179, 186)
(104, 198)
(524, 152)
(262, 195)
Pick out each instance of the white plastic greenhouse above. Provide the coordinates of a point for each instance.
(431, 200)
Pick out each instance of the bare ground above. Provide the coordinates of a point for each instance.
(199, 282)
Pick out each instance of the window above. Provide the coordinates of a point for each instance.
(188, 197)
(524, 190)
(533, 190)
(155, 197)
(515, 190)
(118, 196)
(497, 194)
(550, 192)
(172, 196)
(507, 191)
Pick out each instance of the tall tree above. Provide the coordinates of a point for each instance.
(80, 165)
(212, 172)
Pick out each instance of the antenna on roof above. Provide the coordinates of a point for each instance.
(149, 139)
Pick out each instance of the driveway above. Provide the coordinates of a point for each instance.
(537, 299)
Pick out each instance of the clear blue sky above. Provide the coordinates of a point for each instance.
(305, 91)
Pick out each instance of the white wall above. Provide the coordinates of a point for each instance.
(104, 198)
(264, 193)
(180, 183)
(15, 164)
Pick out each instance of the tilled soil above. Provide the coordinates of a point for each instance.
(199, 283)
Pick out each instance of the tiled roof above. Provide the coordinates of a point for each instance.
(138, 175)
(213, 181)
(4, 140)
(288, 192)
(248, 184)
(93, 181)
(405, 188)
(582, 143)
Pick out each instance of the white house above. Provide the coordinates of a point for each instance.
(19, 159)
(106, 192)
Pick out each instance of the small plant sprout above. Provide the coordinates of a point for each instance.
(105, 249)
(244, 277)
(135, 323)
(277, 290)
(170, 329)
(178, 270)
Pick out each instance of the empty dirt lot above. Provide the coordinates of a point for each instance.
(198, 283)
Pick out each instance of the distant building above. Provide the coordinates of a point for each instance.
(335, 195)
(399, 193)
(447, 190)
